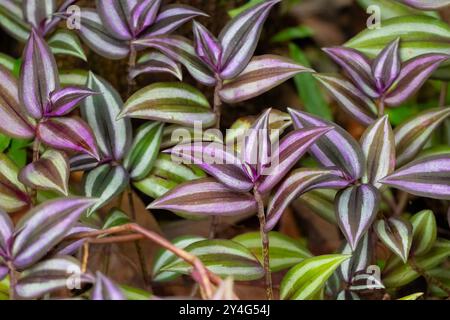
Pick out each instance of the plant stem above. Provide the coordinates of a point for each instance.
(145, 272)
(428, 278)
(12, 281)
(381, 107)
(443, 94)
(264, 244)
(203, 276)
(217, 107)
(131, 64)
(36, 155)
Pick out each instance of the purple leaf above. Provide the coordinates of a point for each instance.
(357, 67)
(38, 13)
(50, 172)
(170, 18)
(413, 134)
(290, 150)
(15, 122)
(98, 39)
(6, 232)
(350, 98)
(298, 182)
(216, 160)
(180, 49)
(70, 134)
(427, 4)
(240, 36)
(207, 46)
(356, 208)
(51, 275)
(44, 226)
(396, 234)
(63, 101)
(426, 177)
(262, 74)
(378, 146)
(336, 148)
(156, 62)
(106, 289)
(69, 247)
(83, 162)
(144, 15)
(3, 271)
(206, 197)
(386, 67)
(114, 18)
(412, 76)
(38, 76)
(256, 149)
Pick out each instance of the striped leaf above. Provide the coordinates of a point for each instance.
(181, 49)
(6, 233)
(206, 197)
(50, 172)
(165, 257)
(337, 148)
(67, 43)
(38, 76)
(262, 74)
(15, 120)
(396, 234)
(363, 281)
(295, 184)
(144, 150)
(69, 134)
(239, 38)
(361, 258)
(386, 66)
(354, 102)
(175, 134)
(143, 14)
(390, 9)
(115, 16)
(397, 274)
(13, 195)
(223, 257)
(207, 47)
(413, 296)
(412, 135)
(356, 208)
(357, 66)
(291, 148)
(215, 159)
(419, 34)
(156, 62)
(424, 232)
(427, 4)
(105, 183)
(51, 275)
(413, 75)
(106, 289)
(308, 277)
(45, 226)
(321, 202)
(425, 177)
(116, 218)
(12, 20)
(100, 111)
(65, 100)
(378, 145)
(284, 251)
(94, 34)
(177, 103)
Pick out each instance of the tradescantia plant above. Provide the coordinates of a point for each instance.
(88, 164)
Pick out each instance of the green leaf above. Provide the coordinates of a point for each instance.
(322, 203)
(391, 9)
(397, 274)
(307, 278)
(144, 151)
(293, 33)
(116, 218)
(4, 142)
(7, 61)
(222, 257)
(132, 293)
(164, 257)
(308, 87)
(424, 232)
(178, 172)
(13, 196)
(177, 103)
(233, 13)
(66, 42)
(413, 296)
(12, 21)
(17, 152)
(419, 35)
(284, 251)
(74, 77)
